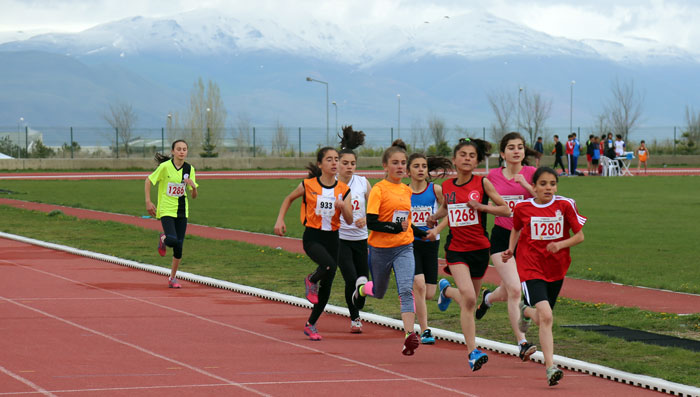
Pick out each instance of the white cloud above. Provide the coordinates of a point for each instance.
(666, 21)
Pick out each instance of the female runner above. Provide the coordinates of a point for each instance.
(467, 246)
(352, 249)
(541, 230)
(425, 200)
(513, 183)
(174, 177)
(324, 199)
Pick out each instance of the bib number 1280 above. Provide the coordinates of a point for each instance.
(546, 227)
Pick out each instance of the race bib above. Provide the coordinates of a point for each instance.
(546, 227)
(325, 206)
(399, 216)
(175, 189)
(461, 215)
(419, 215)
(357, 206)
(511, 201)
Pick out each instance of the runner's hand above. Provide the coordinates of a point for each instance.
(280, 228)
(151, 209)
(507, 254)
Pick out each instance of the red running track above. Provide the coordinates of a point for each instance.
(78, 326)
(583, 290)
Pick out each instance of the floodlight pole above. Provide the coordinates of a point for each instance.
(327, 124)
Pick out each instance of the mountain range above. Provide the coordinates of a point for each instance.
(445, 67)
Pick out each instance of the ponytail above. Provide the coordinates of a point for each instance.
(482, 147)
(161, 158)
(350, 140)
(398, 146)
(314, 170)
(435, 163)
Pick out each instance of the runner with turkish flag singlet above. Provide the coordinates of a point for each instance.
(513, 183)
(352, 247)
(391, 241)
(426, 199)
(541, 230)
(467, 246)
(324, 200)
(175, 177)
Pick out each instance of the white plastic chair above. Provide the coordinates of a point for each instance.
(610, 167)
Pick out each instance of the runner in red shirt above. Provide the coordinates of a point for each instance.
(467, 247)
(541, 229)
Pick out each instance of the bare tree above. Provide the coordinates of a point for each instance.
(502, 105)
(206, 116)
(121, 116)
(534, 114)
(602, 124)
(692, 120)
(625, 108)
(242, 131)
(419, 135)
(280, 140)
(436, 128)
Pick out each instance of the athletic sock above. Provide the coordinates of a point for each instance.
(486, 300)
(367, 289)
(521, 341)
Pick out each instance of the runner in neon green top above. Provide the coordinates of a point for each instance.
(174, 177)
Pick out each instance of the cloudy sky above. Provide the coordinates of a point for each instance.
(671, 22)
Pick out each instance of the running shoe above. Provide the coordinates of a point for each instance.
(477, 358)
(427, 337)
(311, 290)
(554, 375)
(356, 326)
(173, 283)
(526, 350)
(523, 322)
(311, 331)
(443, 301)
(410, 344)
(161, 244)
(357, 299)
(483, 307)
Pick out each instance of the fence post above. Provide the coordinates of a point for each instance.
(116, 134)
(484, 133)
(299, 141)
(254, 142)
(392, 136)
(26, 140)
(162, 139)
(71, 142)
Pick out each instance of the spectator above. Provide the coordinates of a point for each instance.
(539, 147)
(609, 147)
(619, 148)
(590, 148)
(570, 155)
(643, 155)
(558, 151)
(596, 154)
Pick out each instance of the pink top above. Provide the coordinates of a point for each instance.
(511, 191)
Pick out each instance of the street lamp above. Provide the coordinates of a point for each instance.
(19, 129)
(398, 97)
(323, 82)
(520, 90)
(336, 116)
(571, 109)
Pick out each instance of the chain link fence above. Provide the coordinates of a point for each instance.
(106, 142)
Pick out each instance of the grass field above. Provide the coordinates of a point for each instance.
(640, 231)
(244, 263)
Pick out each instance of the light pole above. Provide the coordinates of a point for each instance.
(520, 90)
(19, 129)
(571, 109)
(323, 82)
(336, 116)
(398, 97)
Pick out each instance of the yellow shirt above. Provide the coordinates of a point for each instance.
(172, 191)
(391, 202)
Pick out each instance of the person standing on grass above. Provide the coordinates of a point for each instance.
(425, 200)
(514, 183)
(352, 249)
(539, 148)
(570, 144)
(558, 152)
(324, 200)
(174, 177)
(643, 156)
(541, 230)
(467, 246)
(391, 241)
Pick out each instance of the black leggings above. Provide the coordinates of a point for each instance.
(174, 229)
(557, 160)
(352, 260)
(322, 247)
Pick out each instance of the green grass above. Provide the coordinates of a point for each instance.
(241, 263)
(640, 231)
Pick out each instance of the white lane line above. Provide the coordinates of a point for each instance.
(205, 319)
(26, 382)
